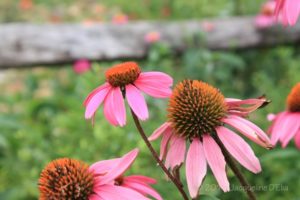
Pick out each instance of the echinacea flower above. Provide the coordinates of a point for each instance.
(67, 178)
(289, 9)
(81, 66)
(286, 124)
(152, 37)
(266, 16)
(198, 113)
(126, 80)
(120, 19)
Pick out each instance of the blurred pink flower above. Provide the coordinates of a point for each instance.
(289, 10)
(271, 117)
(286, 124)
(152, 37)
(266, 17)
(120, 19)
(81, 66)
(26, 4)
(102, 180)
(207, 26)
(126, 80)
(198, 112)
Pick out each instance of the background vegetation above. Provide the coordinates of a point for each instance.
(42, 116)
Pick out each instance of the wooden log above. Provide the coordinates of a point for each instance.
(29, 44)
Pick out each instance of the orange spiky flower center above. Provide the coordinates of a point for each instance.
(195, 108)
(66, 179)
(293, 99)
(123, 74)
(267, 10)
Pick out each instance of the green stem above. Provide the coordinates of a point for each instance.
(156, 157)
(231, 163)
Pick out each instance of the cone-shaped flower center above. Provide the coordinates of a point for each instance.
(195, 108)
(293, 100)
(123, 74)
(66, 179)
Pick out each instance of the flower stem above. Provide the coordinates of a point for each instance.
(235, 169)
(155, 155)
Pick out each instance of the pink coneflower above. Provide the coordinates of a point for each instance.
(286, 124)
(197, 113)
(81, 66)
(266, 15)
(120, 19)
(289, 9)
(208, 26)
(67, 178)
(152, 37)
(127, 80)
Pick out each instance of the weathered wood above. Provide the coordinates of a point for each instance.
(27, 44)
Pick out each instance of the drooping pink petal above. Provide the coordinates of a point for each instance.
(247, 131)
(123, 164)
(136, 102)
(104, 166)
(291, 8)
(239, 149)
(156, 84)
(141, 188)
(216, 161)
(95, 91)
(114, 107)
(260, 133)
(94, 100)
(112, 192)
(244, 107)
(279, 6)
(160, 130)
(195, 167)
(175, 155)
(141, 179)
(109, 109)
(297, 139)
(276, 127)
(164, 143)
(290, 128)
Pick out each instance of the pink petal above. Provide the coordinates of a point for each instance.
(94, 100)
(155, 84)
(260, 133)
(104, 166)
(297, 139)
(153, 77)
(137, 102)
(95, 91)
(291, 8)
(276, 127)
(111, 192)
(216, 161)
(108, 109)
(142, 188)
(160, 130)
(290, 128)
(271, 117)
(95, 197)
(164, 143)
(141, 179)
(245, 129)
(237, 106)
(175, 155)
(123, 164)
(114, 107)
(239, 149)
(195, 167)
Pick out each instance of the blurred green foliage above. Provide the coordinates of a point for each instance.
(42, 116)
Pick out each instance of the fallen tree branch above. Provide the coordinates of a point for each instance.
(28, 44)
